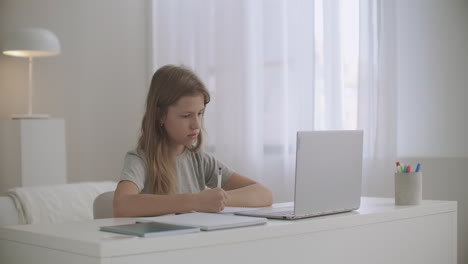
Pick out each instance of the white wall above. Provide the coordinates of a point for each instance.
(433, 78)
(432, 39)
(97, 84)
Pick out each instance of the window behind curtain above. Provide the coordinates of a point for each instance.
(273, 67)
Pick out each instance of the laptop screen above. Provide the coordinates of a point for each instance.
(328, 171)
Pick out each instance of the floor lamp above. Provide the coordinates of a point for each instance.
(31, 43)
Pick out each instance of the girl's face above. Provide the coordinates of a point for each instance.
(183, 121)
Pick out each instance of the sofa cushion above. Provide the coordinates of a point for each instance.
(58, 203)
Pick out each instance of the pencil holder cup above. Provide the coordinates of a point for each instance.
(408, 188)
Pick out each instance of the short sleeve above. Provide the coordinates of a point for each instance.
(134, 170)
(211, 165)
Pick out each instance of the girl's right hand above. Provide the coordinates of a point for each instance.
(210, 200)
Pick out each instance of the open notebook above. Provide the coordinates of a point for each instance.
(150, 229)
(206, 221)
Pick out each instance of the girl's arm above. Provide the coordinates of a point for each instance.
(128, 202)
(244, 192)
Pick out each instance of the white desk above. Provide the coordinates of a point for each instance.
(379, 232)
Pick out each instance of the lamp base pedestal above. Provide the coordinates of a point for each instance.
(32, 153)
(35, 116)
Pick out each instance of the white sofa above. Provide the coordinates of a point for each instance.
(53, 203)
(8, 212)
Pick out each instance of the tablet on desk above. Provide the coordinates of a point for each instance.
(150, 229)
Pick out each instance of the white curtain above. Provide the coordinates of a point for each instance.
(274, 67)
(377, 95)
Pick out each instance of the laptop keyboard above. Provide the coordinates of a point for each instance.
(288, 211)
(281, 213)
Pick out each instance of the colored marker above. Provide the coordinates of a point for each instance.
(418, 167)
(398, 166)
(408, 169)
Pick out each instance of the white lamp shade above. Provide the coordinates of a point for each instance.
(31, 42)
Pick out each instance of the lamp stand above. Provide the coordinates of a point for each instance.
(30, 96)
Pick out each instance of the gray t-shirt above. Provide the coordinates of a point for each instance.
(195, 171)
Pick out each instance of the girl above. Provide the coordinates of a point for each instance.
(168, 172)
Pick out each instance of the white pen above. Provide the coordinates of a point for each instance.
(219, 177)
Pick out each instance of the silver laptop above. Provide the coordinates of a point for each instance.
(328, 175)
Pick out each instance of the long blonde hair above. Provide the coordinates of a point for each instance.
(168, 85)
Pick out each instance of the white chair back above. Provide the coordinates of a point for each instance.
(103, 205)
